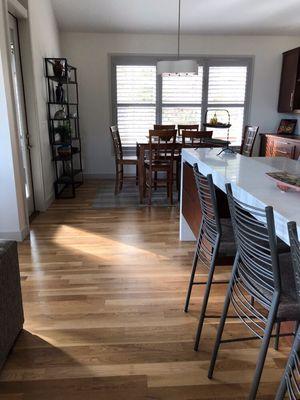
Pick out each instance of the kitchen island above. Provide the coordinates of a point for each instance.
(250, 184)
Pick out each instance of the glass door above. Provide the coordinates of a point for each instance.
(21, 110)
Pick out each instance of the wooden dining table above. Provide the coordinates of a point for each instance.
(142, 148)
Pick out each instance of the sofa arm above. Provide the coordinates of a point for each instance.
(11, 308)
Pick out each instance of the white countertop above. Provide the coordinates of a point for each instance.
(250, 182)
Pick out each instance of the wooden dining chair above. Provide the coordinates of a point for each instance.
(157, 127)
(187, 128)
(161, 159)
(120, 160)
(194, 138)
(248, 140)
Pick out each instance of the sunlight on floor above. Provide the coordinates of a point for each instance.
(80, 241)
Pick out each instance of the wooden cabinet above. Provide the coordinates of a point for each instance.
(289, 94)
(280, 146)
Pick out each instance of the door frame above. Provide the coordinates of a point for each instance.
(27, 139)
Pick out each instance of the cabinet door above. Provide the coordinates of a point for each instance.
(269, 146)
(283, 149)
(288, 81)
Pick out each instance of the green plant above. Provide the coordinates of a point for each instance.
(64, 130)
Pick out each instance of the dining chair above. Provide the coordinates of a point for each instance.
(262, 286)
(158, 127)
(215, 240)
(120, 160)
(181, 128)
(160, 159)
(290, 381)
(194, 138)
(248, 140)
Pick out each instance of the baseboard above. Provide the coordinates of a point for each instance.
(19, 236)
(48, 201)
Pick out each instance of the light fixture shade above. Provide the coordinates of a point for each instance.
(178, 67)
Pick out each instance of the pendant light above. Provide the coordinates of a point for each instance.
(177, 67)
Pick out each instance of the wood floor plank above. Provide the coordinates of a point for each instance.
(103, 293)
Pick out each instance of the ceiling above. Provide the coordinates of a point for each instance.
(246, 17)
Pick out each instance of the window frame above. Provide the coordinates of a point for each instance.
(205, 61)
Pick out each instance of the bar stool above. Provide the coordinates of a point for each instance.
(290, 381)
(216, 239)
(260, 274)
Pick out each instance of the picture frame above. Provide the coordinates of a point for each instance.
(287, 126)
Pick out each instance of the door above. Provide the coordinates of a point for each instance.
(21, 110)
(289, 71)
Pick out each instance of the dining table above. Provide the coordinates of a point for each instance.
(142, 150)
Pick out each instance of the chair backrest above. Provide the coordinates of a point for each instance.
(208, 200)
(290, 381)
(164, 127)
(162, 145)
(295, 253)
(248, 140)
(187, 128)
(210, 228)
(257, 268)
(195, 138)
(116, 142)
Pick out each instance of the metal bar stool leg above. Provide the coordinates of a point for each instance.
(206, 295)
(264, 349)
(276, 342)
(194, 267)
(222, 320)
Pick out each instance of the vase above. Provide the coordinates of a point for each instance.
(60, 93)
(58, 68)
(60, 114)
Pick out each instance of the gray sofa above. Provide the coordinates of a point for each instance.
(11, 308)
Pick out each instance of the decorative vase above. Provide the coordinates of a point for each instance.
(58, 68)
(60, 114)
(60, 93)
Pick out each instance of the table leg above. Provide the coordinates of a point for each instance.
(141, 154)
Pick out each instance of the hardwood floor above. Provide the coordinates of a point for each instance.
(103, 296)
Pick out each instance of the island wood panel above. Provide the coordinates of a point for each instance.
(191, 208)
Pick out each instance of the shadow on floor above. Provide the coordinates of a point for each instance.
(30, 373)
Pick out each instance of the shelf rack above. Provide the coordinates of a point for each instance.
(68, 165)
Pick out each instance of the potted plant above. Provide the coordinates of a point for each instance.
(63, 131)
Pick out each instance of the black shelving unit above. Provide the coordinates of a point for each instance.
(64, 128)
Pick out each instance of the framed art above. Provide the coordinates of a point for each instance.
(287, 126)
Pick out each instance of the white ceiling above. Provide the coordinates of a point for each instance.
(247, 17)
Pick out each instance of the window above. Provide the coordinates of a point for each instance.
(141, 98)
(227, 90)
(136, 101)
(182, 98)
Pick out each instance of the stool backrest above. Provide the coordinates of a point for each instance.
(158, 127)
(162, 145)
(248, 140)
(255, 237)
(115, 135)
(195, 138)
(208, 201)
(295, 253)
(187, 128)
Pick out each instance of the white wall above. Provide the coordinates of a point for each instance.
(90, 53)
(40, 39)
